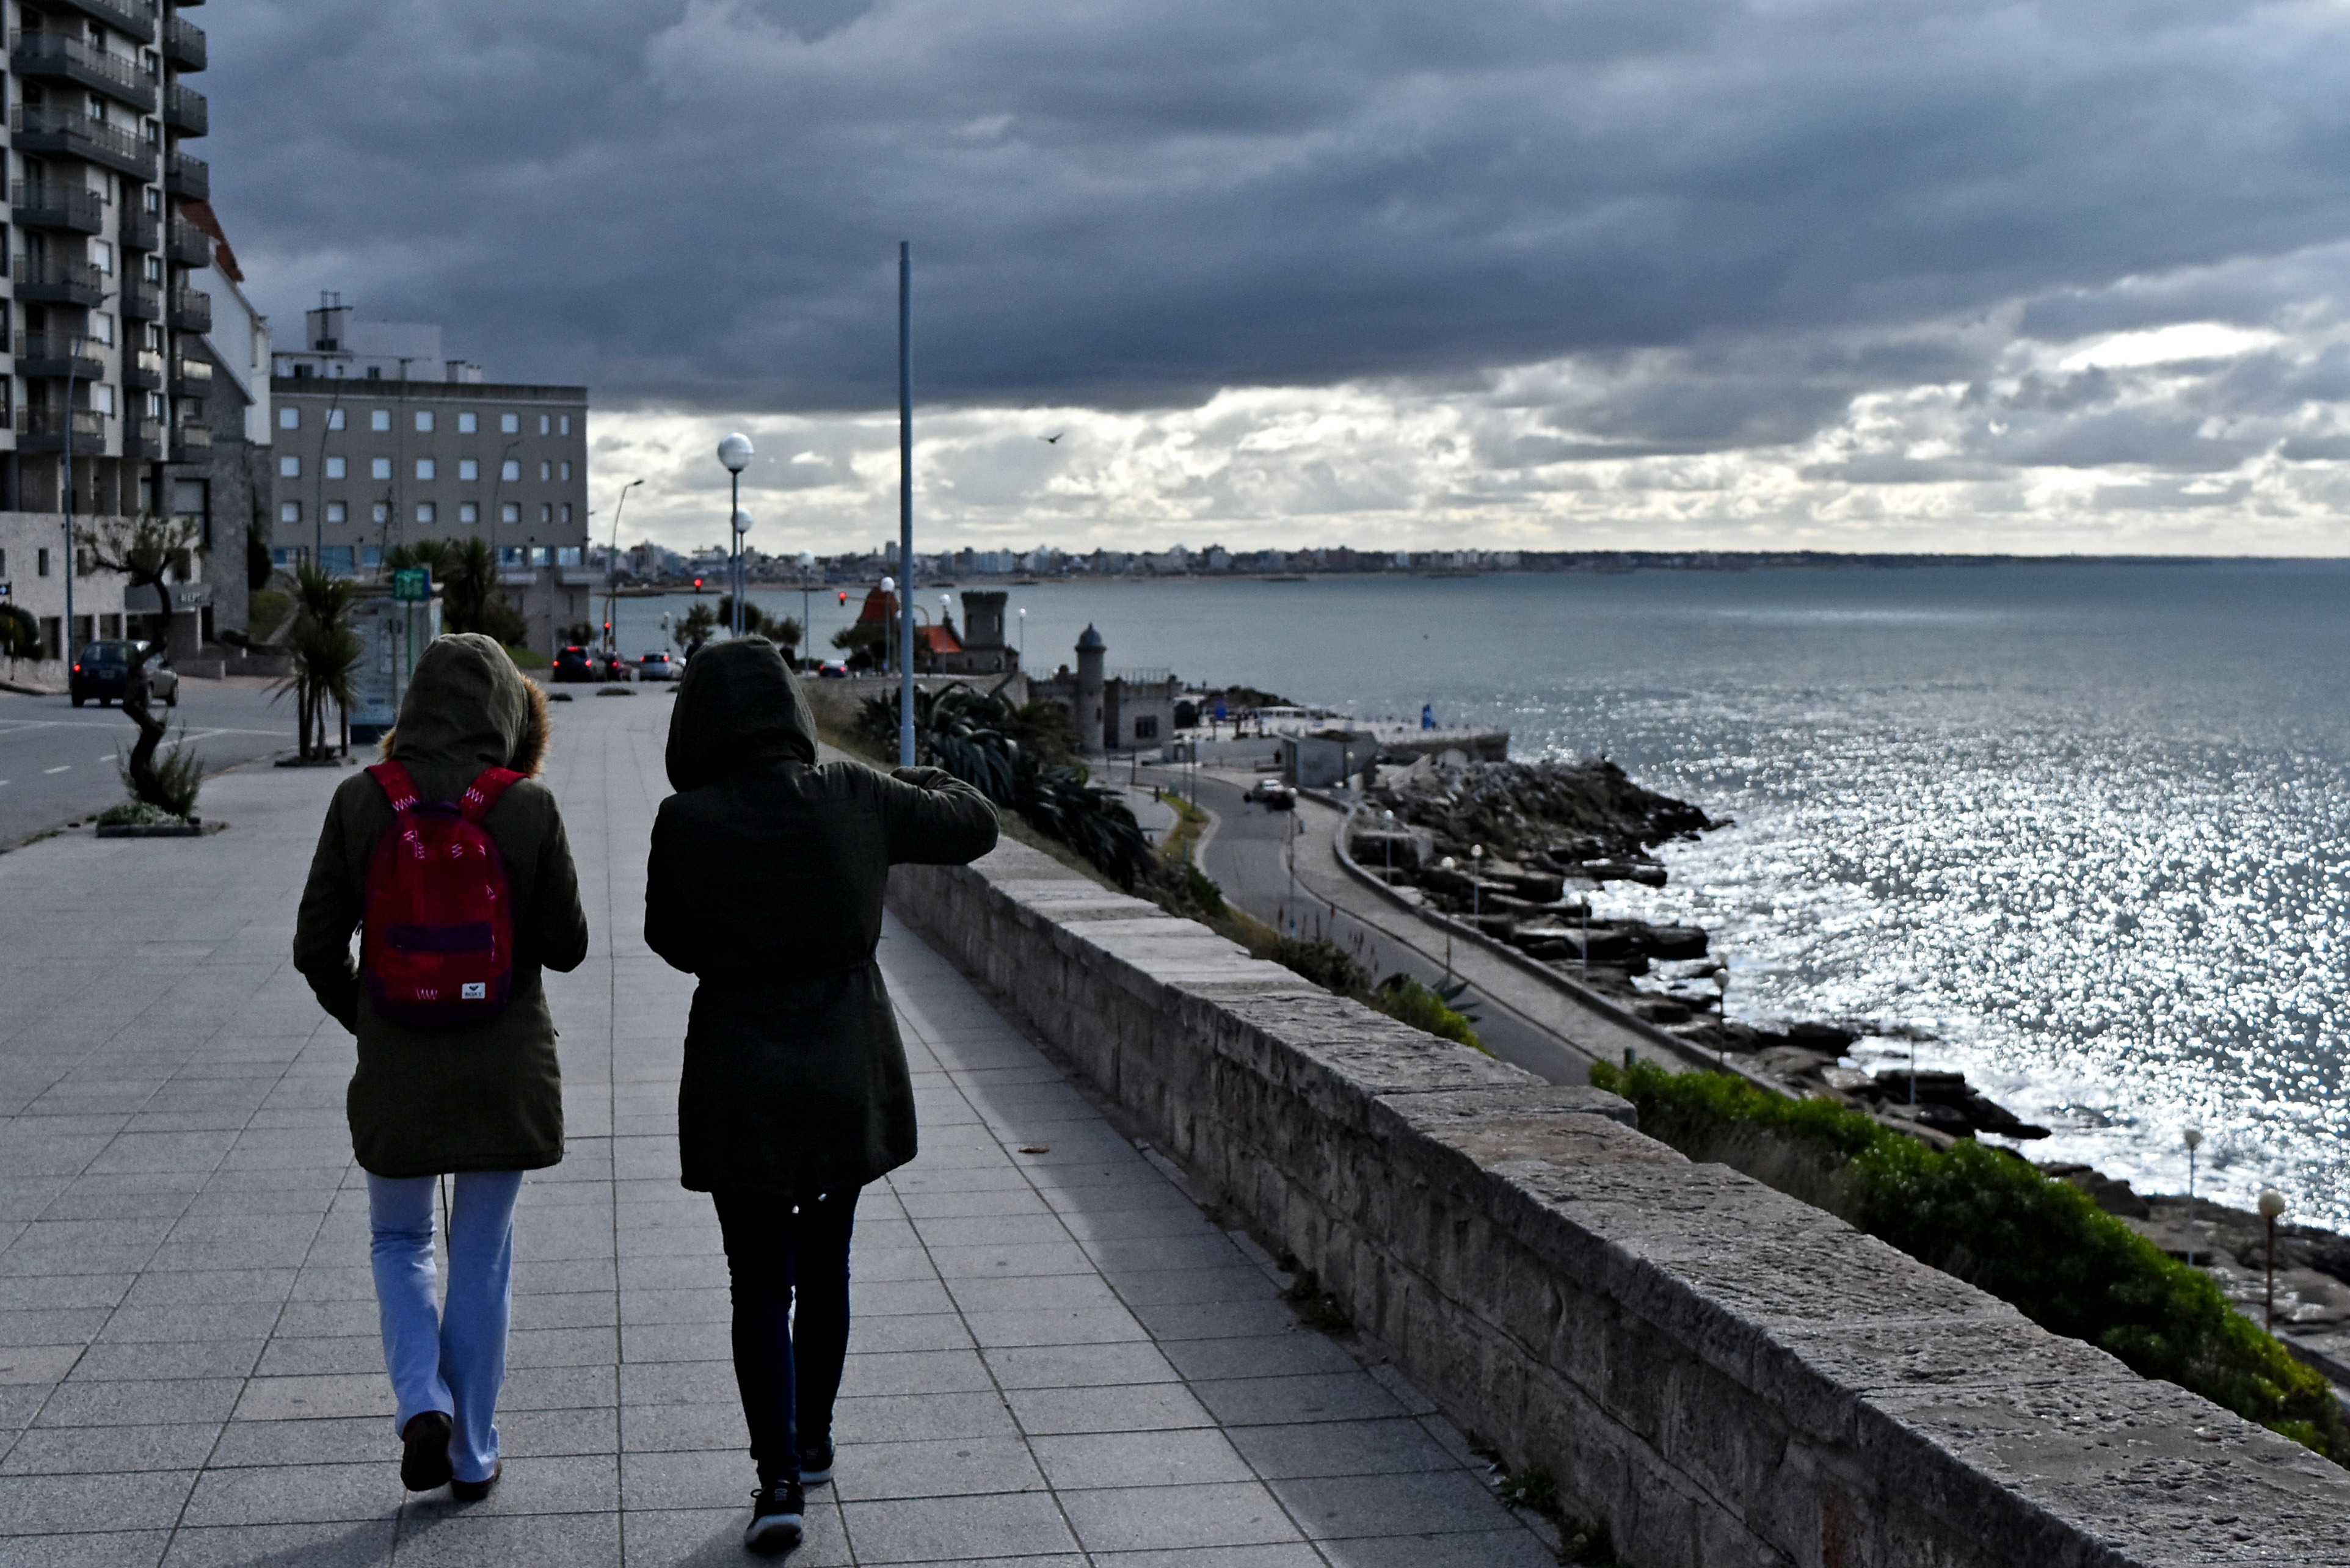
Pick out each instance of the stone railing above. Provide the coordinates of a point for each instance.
(1719, 1374)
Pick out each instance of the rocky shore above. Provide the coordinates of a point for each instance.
(1517, 849)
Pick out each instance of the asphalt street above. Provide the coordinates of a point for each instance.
(57, 762)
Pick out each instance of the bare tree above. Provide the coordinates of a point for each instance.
(147, 550)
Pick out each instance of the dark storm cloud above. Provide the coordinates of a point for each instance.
(1132, 204)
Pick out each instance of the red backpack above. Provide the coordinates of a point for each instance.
(437, 945)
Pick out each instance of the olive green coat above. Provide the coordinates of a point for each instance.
(480, 1096)
(765, 882)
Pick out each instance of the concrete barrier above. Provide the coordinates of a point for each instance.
(1722, 1375)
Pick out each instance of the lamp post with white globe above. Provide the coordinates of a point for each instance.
(735, 451)
(807, 637)
(741, 565)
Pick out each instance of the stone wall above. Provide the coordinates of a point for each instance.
(1722, 1374)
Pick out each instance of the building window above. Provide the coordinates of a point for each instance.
(154, 200)
(469, 513)
(513, 555)
(289, 418)
(546, 472)
(102, 255)
(338, 559)
(425, 513)
(379, 419)
(375, 373)
(335, 417)
(1146, 727)
(289, 511)
(338, 511)
(563, 425)
(566, 514)
(426, 468)
(41, 562)
(566, 472)
(510, 512)
(512, 470)
(379, 468)
(544, 424)
(289, 467)
(510, 424)
(380, 511)
(424, 421)
(155, 409)
(101, 326)
(567, 556)
(101, 398)
(469, 469)
(370, 555)
(467, 424)
(542, 555)
(545, 515)
(338, 467)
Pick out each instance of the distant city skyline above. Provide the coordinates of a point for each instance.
(1960, 276)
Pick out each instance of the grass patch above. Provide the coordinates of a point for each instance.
(2037, 1243)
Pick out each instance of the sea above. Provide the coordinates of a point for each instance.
(2080, 829)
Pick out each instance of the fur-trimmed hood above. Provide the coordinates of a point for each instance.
(468, 708)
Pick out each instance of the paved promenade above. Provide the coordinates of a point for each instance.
(1057, 1360)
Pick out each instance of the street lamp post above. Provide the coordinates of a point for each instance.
(2193, 1138)
(905, 500)
(1447, 864)
(2272, 1205)
(612, 570)
(888, 622)
(1024, 639)
(807, 634)
(72, 554)
(735, 451)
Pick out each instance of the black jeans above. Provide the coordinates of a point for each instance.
(788, 1365)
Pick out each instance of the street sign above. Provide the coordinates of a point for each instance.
(412, 585)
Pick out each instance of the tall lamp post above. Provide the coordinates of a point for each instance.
(612, 569)
(906, 501)
(742, 566)
(2272, 1206)
(735, 451)
(2193, 1138)
(807, 637)
(1024, 639)
(73, 554)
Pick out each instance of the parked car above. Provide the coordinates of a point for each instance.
(832, 670)
(1272, 795)
(656, 666)
(579, 662)
(103, 671)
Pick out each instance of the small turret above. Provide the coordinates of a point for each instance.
(1091, 651)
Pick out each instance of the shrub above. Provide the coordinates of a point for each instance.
(1400, 996)
(179, 777)
(20, 635)
(2037, 1243)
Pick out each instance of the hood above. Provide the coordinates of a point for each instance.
(737, 705)
(468, 707)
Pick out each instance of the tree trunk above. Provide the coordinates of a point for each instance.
(136, 694)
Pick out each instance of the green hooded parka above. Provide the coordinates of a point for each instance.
(480, 1097)
(765, 882)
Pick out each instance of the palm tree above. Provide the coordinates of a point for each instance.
(326, 656)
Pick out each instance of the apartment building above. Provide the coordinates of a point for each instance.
(103, 317)
(381, 439)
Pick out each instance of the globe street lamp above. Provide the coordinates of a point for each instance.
(889, 620)
(2272, 1205)
(735, 451)
(742, 566)
(807, 638)
(1024, 639)
(2193, 1138)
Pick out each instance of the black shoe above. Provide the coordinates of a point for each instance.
(475, 1492)
(424, 1452)
(777, 1509)
(816, 1463)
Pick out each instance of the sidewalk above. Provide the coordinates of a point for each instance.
(1057, 1360)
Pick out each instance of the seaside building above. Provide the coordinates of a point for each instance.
(1130, 711)
(979, 649)
(383, 440)
(100, 313)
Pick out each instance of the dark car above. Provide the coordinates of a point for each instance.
(579, 663)
(103, 671)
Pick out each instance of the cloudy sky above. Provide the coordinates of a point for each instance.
(1865, 275)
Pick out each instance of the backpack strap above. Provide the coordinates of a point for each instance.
(398, 787)
(483, 792)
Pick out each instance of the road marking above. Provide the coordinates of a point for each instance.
(67, 769)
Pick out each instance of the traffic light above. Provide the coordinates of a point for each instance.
(844, 595)
(697, 584)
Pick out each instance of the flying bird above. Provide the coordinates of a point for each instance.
(1051, 439)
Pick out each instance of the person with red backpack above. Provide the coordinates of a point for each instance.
(449, 860)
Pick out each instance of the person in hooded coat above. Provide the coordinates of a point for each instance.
(765, 882)
(481, 1102)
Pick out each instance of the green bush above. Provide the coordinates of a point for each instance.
(20, 636)
(2037, 1243)
(1400, 996)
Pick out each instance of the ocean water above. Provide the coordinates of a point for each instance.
(2082, 825)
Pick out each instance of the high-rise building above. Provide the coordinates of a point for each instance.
(105, 315)
(381, 439)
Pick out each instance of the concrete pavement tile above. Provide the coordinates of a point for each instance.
(84, 1290)
(327, 1440)
(906, 1331)
(295, 1494)
(52, 1326)
(1236, 1282)
(939, 1467)
(1170, 1321)
(1290, 1554)
(562, 1346)
(712, 1537)
(456, 1538)
(1137, 1408)
(998, 1230)
(139, 1402)
(560, 1389)
(1214, 1513)
(169, 1359)
(288, 1357)
(549, 1484)
(322, 1394)
(1515, 1547)
(676, 1382)
(712, 1424)
(1181, 1457)
(114, 1549)
(1342, 1449)
(204, 1287)
(185, 1323)
(677, 1342)
(1435, 1502)
(575, 1309)
(110, 1450)
(1079, 1365)
(895, 1418)
(686, 1478)
(955, 1204)
(1317, 1396)
(28, 1365)
(876, 1264)
(364, 1544)
(890, 1298)
(1298, 1352)
(701, 1305)
(45, 1505)
(915, 1371)
(527, 1434)
(1012, 1262)
(933, 1530)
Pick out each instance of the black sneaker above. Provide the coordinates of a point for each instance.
(816, 1463)
(475, 1492)
(424, 1452)
(777, 1509)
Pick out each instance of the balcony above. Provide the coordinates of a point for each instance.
(144, 439)
(189, 179)
(47, 280)
(187, 111)
(192, 309)
(188, 245)
(191, 378)
(143, 372)
(141, 302)
(57, 207)
(72, 133)
(194, 441)
(48, 430)
(51, 354)
(183, 44)
(55, 58)
(129, 16)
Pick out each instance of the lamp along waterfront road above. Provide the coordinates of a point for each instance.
(56, 760)
(1057, 1357)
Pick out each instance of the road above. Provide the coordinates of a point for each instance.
(56, 760)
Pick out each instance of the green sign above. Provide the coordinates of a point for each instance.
(412, 585)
